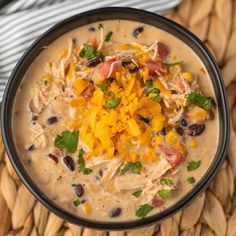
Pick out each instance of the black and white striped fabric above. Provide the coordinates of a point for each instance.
(24, 20)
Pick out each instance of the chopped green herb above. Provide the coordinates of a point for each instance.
(191, 180)
(167, 182)
(104, 89)
(59, 177)
(113, 102)
(45, 82)
(127, 166)
(157, 98)
(137, 193)
(76, 202)
(82, 168)
(108, 36)
(88, 52)
(200, 100)
(170, 64)
(149, 83)
(193, 165)
(165, 194)
(100, 26)
(143, 210)
(154, 91)
(136, 167)
(67, 140)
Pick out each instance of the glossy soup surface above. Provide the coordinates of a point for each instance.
(109, 128)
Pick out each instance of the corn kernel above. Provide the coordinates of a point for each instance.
(172, 138)
(133, 157)
(87, 208)
(157, 140)
(197, 114)
(193, 143)
(181, 148)
(158, 122)
(188, 76)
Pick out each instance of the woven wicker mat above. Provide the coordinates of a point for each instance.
(213, 213)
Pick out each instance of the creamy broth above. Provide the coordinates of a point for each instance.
(55, 178)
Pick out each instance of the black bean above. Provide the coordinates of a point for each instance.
(110, 80)
(164, 131)
(53, 157)
(69, 162)
(196, 129)
(52, 120)
(183, 122)
(92, 29)
(180, 130)
(31, 147)
(130, 66)
(34, 117)
(95, 61)
(114, 212)
(144, 119)
(79, 190)
(138, 31)
(74, 41)
(100, 173)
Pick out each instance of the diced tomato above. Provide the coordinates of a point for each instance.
(158, 66)
(174, 157)
(163, 50)
(157, 202)
(104, 69)
(94, 42)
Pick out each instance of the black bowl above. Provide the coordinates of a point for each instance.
(107, 14)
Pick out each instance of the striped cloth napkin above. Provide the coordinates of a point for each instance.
(24, 20)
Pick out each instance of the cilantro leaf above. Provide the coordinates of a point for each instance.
(108, 36)
(82, 168)
(143, 210)
(200, 100)
(76, 202)
(67, 140)
(137, 193)
(149, 83)
(113, 102)
(127, 166)
(170, 64)
(88, 52)
(193, 165)
(164, 194)
(136, 167)
(45, 82)
(191, 180)
(167, 182)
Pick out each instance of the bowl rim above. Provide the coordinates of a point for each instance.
(122, 225)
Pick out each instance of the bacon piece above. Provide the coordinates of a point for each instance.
(157, 202)
(113, 64)
(163, 50)
(174, 157)
(88, 92)
(156, 66)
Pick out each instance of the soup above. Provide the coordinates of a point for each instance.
(116, 120)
